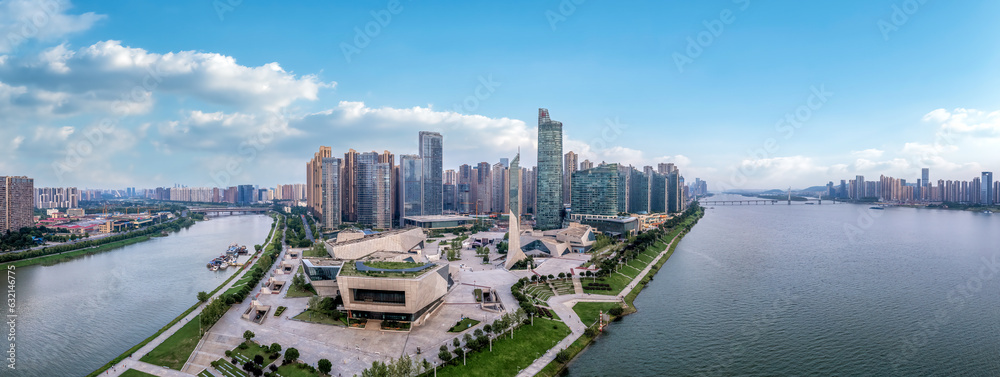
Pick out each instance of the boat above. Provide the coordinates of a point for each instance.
(876, 207)
(215, 268)
(988, 212)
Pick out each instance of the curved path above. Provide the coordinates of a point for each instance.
(563, 306)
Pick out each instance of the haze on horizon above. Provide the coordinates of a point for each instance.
(743, 94)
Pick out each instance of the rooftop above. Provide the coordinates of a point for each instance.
(408, 270)
(429, 218)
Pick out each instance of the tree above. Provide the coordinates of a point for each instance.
(562, 275)
(324, 366)
(468, 340)
(258, 359)
(563, 356)
(258, 247)
(291, 355)
(203, 296)
(314, 303)
(444, 354)
(248, 335)
(275, 348)
(488, 328)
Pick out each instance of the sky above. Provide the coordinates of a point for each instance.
(745, 94)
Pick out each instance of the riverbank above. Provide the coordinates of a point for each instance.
(562, 360)
(183, 315)
(61, 253)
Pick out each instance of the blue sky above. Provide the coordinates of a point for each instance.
(246, 93)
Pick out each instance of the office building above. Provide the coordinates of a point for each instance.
(17, 208)
(514, 194)
(986, 191)
(431, 152)
(595, 191)
(499, 188)
(570, 164)
(411, 185)
(549, 203)
(314, 179)
(374, 191)
(330, 189)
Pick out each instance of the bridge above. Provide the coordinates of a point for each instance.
(230, 210)
(737, 202)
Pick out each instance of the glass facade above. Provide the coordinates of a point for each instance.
(514, 185)
(330, 187)
(549, 201)
(411, 186)
(595, 191)
(431, 145)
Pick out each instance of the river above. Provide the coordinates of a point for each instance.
(826, 289)
(75, 316)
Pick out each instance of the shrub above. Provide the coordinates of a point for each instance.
(563, 356)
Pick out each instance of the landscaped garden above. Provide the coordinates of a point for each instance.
(588, 311)
(135, 373)
(463, 325)
(510, 356)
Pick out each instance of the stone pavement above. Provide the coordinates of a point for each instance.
(155, 370)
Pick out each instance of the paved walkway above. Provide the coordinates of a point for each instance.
(118, 369)
(563, 306)
(155, 370)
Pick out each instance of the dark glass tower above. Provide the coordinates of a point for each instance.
(548, 211)
(431, 154)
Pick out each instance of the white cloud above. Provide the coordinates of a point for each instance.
(23, 20)
(868, 153)
(107, 71)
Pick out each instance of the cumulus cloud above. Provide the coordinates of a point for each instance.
(868, 153)
(23, 20)
(108, 71)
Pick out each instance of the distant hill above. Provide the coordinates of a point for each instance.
(815, 189)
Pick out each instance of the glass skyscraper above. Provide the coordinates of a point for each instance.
(548, 211)
(431, 152)
(410, 186)
(330, 188)
(986, 188)
(595, 191)
(514, 185)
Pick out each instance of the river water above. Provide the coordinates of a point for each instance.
(75, 316)
(779, 290)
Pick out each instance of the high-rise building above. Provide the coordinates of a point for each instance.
(595, 191)
(549, 203)
(450, 177)
(570, 164)
(349, 187)
(484, 188)
(986, 192)
(638, 192)
(658, 194)
(17, 208)
(514, 195)
(314, 179)
(586, 164)
(675, 194)
(925, 176)
(56, 197)
(411, 185)
(499, 190)
(431, 152)
(463, 192)
(374, 191)
(330, 187)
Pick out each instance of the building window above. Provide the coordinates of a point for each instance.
(380, 297)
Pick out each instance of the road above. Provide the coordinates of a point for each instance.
(305, 225)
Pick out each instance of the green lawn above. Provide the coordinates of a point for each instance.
(318, 251)
(175, 350)
(317, 317)
(588, 311)
(253, 350)
(295, 370)
(227, 369)
(463, 325)
(205, 373)
(295, 292)
(616, 281)
(509, 356)
(135, 373)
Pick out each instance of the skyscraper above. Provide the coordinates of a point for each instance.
(349, 187)
(17, 208)
(374, 191)
(331, 193)
(431, 152)
(986, 195)
(548, 211)
(570, 164)
(314, 178)
(514, 186)
(675, 195)
(499, 190)
(484, 188)
(595, 191)
(411, 186)
(586, 164)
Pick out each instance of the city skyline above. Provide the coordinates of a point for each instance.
(210, 110)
